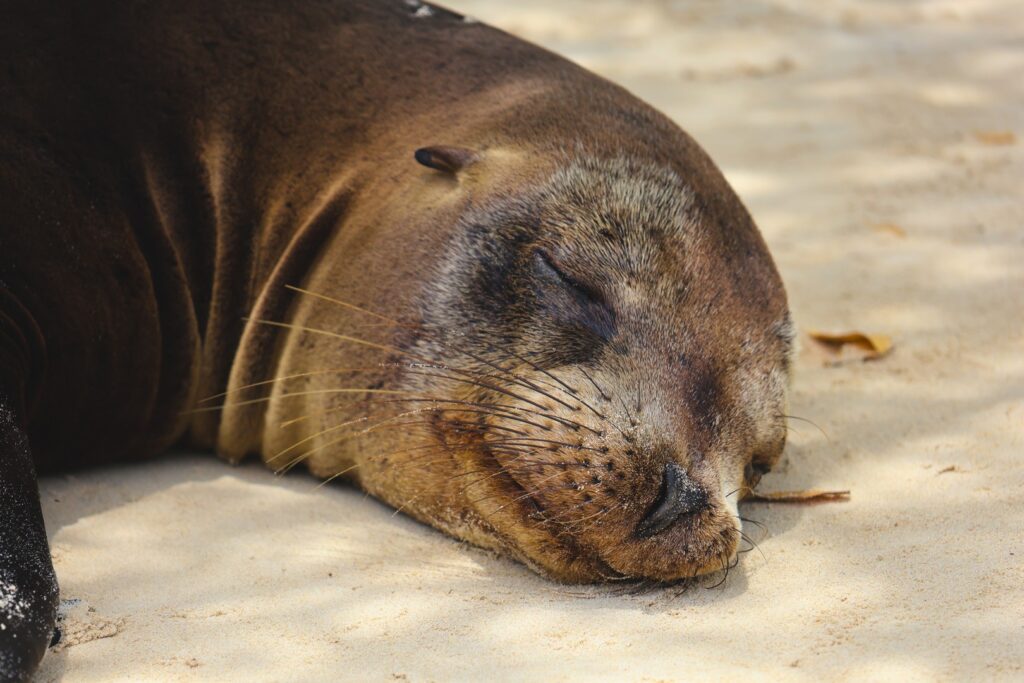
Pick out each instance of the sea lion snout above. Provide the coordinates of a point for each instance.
(589, 487)
(680, 495)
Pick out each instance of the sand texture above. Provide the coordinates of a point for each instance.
(880, 147)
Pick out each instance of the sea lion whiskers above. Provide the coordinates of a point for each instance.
(515, 500)
(512, 466)
(283, 378)
(384, 423)
(294, 394)
(321, 413)
(527, 494)
(314, 436)
(557, 519)
(506, 373)
(554, 442)
(572, 424)
(753, 546)
(340, 426)
(756, 523)
(574, 526)
(393, 349)
(334, 476)
(462, 427)
(563, 386)
(601, 392)
(343, 304)
(341, 390)
(420, 328)
(446, 451)
(574, 393)
(810, 422)
(483, 385)
(485, 413)
(597, 522)
(336, 335)
(728, 564)
(378, 426)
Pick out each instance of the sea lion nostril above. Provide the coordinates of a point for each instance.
(679, 496)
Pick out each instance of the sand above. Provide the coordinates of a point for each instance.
(880, 146)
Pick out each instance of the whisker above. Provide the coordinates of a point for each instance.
(294, 394)
(725, 568)
(754, 546)
(810, 422)
(569, 510)
(754, 522)
(336, 475)
(385, 423)
(444, 342)
(483, 385)
(600, 391)
(283, 378)
(335, 335)
(525, 495)
(570, 390)
(344, 304)
(599, 513)
(505, 407)
(541, 370)
(546, 489)
(313, 436)
(528, 441)
(504, 371)
(617, 506)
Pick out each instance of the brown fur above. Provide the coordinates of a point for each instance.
(171, 168)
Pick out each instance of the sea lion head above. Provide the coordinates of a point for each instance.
(607, 360)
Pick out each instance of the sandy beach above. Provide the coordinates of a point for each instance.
(880, 148)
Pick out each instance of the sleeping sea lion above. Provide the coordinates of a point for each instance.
(391, 245)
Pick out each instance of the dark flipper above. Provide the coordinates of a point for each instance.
(28, 585)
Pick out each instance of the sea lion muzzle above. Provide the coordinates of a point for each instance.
(679, 496)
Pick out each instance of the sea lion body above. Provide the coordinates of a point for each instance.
(570, 297)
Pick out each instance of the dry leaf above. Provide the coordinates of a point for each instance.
(889, 228)
(995, 137)
(806, 496)
(845, 347)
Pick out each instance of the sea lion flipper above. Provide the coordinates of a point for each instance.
(28, 584)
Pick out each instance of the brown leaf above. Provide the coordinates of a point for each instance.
(806, 496)
(845, 347)
(995, 137)
(889, 229)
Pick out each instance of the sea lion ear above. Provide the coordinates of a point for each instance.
(445, 158)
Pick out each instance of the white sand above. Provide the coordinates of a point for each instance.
(851, 129)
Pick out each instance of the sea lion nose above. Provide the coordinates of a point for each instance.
(679, 496)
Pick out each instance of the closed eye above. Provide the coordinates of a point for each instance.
(571, 301)
(547, 265)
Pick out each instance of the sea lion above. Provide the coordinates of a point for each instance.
(394, 246)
